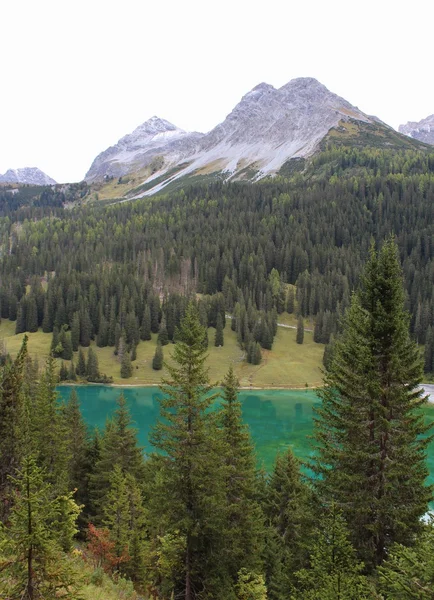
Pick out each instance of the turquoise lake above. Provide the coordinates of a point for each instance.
(277, 418)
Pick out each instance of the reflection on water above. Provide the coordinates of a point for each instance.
(277, 418)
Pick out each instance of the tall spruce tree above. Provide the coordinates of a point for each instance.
(289, 523)
(118, 446)
(12, 421)
(77, 442)
(300, 330)
(244, 521)
(187, 494)
(370, 454)
(335, 573)
(40, 526)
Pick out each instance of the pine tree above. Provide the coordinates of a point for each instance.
(145, 329)
(39, 527)
(12, 421)
(77, 441)
(219, 337)
(163, 336)
(429, 351)
(47, 430)
(335, 572)
(81, 365)
(118, 446)
(63, 372)
(126, 366)
(370, 454)
(408, 573)
(290, 301)
(157, 361)
(92, 368)
(117, 517)
(66, 342)
(300, 330)
(31, 314)
(72, 375)
(243, 529)
(289, 523)
(250, 586)
(187, 495)
(75, 331)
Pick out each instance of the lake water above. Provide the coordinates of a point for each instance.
(277, 418)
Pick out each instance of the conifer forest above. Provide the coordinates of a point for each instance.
(346, 240)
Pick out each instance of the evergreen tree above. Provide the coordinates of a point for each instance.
(408, 573)
(289, 523)
(145, 329)
(118, 446)
(243, 529)
(31, 314)
(72, 375)
(300, 330)
(56, 348)
(187, 495)
(47, 430)
(20, 325)
(163, 336)
(429, 351)
(103, 329)
(370, 454)
(116, 516)
(157, 361)
(335, 572)
(290, 301)
(92, 368)
(66, 342)
(81, 365)
(63, 372)
(12, 421)
(250, 586)
(219, 337)
(39, 527)
(75, 331)
(126, 366)
(77, 442)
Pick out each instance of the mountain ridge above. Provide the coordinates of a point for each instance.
(266, 129)
(422, 130)
(27, 175)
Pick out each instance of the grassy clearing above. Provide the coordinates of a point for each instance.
(288, 364)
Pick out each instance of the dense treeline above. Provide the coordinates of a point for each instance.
(195, 519)
(105, 266)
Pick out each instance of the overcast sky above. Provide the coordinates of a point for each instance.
(76, 76)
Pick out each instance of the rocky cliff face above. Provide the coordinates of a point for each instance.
(30, 175)
(422, 131)
(267, 127)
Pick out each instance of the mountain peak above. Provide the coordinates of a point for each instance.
(265, 129)
(29, 175)
(420, 130)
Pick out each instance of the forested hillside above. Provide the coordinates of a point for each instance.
(117, 272)
(87, 515)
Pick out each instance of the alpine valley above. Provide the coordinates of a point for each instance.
(290, 247)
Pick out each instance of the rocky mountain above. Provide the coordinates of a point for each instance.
(30, 175)
(422, 131)
(138, 149)
(266, 128)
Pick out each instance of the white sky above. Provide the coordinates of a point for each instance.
(78, 75)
